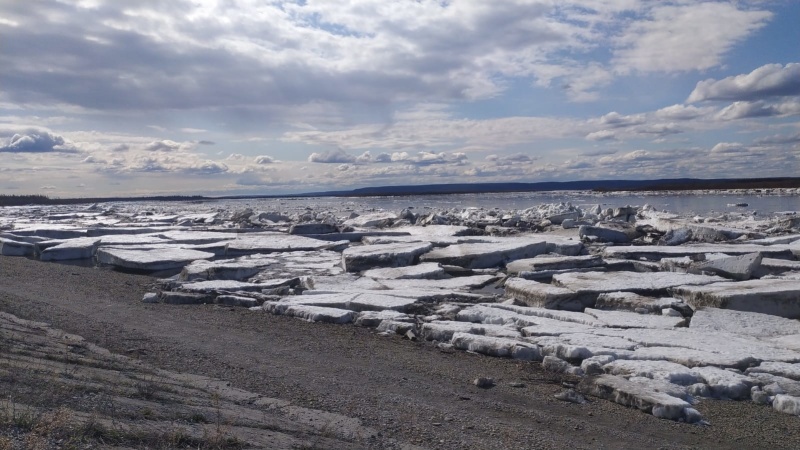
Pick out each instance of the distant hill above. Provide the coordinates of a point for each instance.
(673, 184)
(678, 184)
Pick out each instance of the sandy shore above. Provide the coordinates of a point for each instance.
(409, 392)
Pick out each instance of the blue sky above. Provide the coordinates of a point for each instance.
(101, 98)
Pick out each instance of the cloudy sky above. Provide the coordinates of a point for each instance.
(223, 97)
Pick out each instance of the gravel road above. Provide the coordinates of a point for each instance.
(411, 392)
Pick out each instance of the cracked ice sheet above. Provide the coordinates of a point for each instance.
(657, 370)
(742, 322)
(624, 319)
(267, 242)
(227, 269)
(737, 346)
(650, 282)
(565, 316)
(692, 358)
(496, 346)
(353, 301)
(428, 271)
(233, 285)
(150, 259)
(443, 331)
(310, 313)
(726, 384)
(455, 284)
(781, 369)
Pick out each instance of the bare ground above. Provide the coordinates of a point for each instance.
(399, 392)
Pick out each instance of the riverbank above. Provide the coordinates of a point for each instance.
(409, 392)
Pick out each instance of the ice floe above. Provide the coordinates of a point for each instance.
(651, 310)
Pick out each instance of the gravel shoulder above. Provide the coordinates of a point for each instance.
(407, 392)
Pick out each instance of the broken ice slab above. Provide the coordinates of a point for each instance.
(486, 255)
(150, 260)
(365, 257)
(373, 319)
(781, 369)
(658, 252)
(197, 237)
(743, 322)
(542, 262)
(657, 370)
(496, 346)
(229, 269)
(640, 396)
(251, 243)
(357, 301)
(15, 248)
(565, 316)
(50, 231)
(775, 297)
(233, 285)
(709, 232)
(777, 240)
(454, 284)
(424, 271)
(310, 313)
(786, 404)
(79, 248)
(444, 331)
(740, 347)
(372, 220)
(737, 268)
(628, 301)
(725, 383)
(496, 316)
(694, 358)
(237, 300)
(772, 266)
(540, 295)
(589, 285)
(625, 319)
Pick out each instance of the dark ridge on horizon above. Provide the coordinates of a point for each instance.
(673, 184)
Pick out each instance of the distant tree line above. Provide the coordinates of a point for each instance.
(21, 200)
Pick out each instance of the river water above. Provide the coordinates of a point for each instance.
(679, 203)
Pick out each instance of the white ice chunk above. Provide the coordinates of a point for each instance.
(543, 262)
(455, 283)
(480, 256)
(565, 316)
(657, 370)
(638, 395)
(541, 295)
(690, 357)
(726, 384)
(443, 331)
(743, 322)
(310, 313)
(625, 319)
(356, 259)
(787, 404)
(150, 260)
(79, 248)
(596, 283)
(427, 271)
(251, 243)
(775, 297)
(781, 369)
(495, 346)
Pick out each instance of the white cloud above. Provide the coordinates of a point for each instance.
(332, 157)
(685, 37)
(728, 147)
(770, 80)
(37, 141)
(264, 159)
(745, 110)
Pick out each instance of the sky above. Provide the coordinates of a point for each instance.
(234, 97)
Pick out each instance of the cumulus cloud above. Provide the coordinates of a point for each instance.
(337, 156)
(682, 112)
(745, 110)
(163, 146)
(617, 120)
(34, 141)
(771, 80)
(264, 159)
(207, 167)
